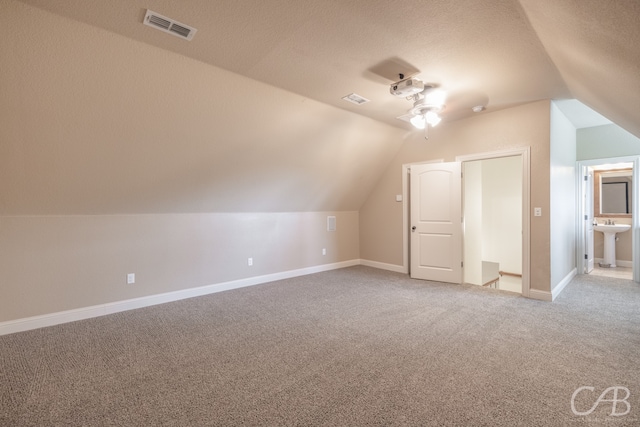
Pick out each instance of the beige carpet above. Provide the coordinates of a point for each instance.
(351, 347)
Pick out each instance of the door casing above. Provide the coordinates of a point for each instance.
(526, 178)
(635, 215)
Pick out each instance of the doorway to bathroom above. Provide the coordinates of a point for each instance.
(608, 218)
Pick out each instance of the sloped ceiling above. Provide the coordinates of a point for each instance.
(497, 53)
(596, 47)
(481, 51)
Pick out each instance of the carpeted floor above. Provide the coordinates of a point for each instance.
(350, 347)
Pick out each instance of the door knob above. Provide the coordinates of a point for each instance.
(413, 228)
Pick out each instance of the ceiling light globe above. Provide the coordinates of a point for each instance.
(418, 121)
(432, 118)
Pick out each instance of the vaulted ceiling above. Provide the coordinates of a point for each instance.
(104, 115)
(496, 53)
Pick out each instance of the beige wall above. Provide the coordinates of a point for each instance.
(118, 157)
(50, 264)
(522, 126)
(95, 123)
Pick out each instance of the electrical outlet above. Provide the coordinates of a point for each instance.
(537, 211)
(324, 251)
(250, 262)
(131, 278)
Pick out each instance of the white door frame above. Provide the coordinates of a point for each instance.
(525, 152)
(635, 215)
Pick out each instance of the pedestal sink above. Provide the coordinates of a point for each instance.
(609, 231)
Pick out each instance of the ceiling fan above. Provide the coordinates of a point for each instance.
(428, 102)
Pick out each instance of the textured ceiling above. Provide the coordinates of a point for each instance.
(498, 53)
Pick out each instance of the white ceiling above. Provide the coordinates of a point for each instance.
(497, 53)
(580, 115)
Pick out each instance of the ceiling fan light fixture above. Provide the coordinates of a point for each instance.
(419, 121)
(432, 118)
(435, 97)
(427, 105)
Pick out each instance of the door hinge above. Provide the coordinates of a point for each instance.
(586, 178)
(586, 217)
(586, 256)
(461, 264)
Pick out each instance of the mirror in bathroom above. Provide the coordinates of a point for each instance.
(613, 193)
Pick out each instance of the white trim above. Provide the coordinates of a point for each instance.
(526, 203)
(493, 154)
(383, 266)
(51, 319)
(635, 217)
(564, 282)
(525, 152)
(619, 262)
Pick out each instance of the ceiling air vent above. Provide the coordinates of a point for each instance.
(354, 98)
(168, 25)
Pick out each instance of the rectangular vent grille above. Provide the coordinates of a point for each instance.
(168, 25)
(331, 223)
(354, 98)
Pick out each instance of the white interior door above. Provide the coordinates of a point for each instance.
(436, 222)
(588, 219)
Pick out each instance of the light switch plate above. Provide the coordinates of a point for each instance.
(537, 211)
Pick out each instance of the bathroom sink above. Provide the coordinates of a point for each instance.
(610, 231)
(612, 228)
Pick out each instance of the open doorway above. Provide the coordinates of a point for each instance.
(521, 277)
(608, 214)
(492, 205)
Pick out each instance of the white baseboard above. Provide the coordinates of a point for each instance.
(51, 319)
(564, 282)
(619, 262)
(550, 296)
(383, 266)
